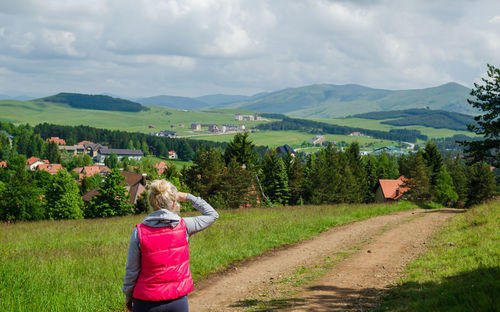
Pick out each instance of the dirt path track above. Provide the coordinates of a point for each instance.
(387, 243)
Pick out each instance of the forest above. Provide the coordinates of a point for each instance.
(98, 102)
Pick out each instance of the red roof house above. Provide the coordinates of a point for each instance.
(90, 171)
(33, 162)
(50, 168)
(390, 190)
(3, 164)
(57, 140)
(161, 166)
(135, 185)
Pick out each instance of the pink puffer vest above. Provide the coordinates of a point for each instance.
(165, 272)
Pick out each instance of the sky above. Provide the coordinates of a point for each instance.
(141, 48)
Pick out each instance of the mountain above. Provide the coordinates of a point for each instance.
(221, 99)
(99, 102)
(178, 102)
(326, 100)
(17, 98)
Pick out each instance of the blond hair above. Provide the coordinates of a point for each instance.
(163, 195)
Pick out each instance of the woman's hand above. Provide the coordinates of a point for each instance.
(181, 197)
(128, 304)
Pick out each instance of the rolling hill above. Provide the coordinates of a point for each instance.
(178, 102)
(97, 102)
(326, 101)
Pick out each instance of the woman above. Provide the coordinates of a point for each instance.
(157, 275)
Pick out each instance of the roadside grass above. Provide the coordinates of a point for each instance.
(78, 265)
(460, 271)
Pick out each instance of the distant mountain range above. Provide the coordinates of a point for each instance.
(314, 101)
(326, 100)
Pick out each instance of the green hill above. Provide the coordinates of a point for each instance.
(326, 101)
(98, 102)
(178, 102)
(438, 119)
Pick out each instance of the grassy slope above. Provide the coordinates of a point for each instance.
(376, 125)
(37, 112)
(462, 276)
(79, 265)
(295, 138)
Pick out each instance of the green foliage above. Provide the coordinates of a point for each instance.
(418, 180)
(241, 149)
(481, 184)
(111, 161)
(458, 172)
(113, 199)
(21, 198)
(89, 183)
(433, 161)
(275, 179)
(487, 100)
(444, 190)
(62, 198)
(295, 175)
(51, 153)
(142, 204)
(98, 102)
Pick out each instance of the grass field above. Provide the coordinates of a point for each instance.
(79, 265)
(460, 271)
(432, 133)
(161, 117)
(295, 138)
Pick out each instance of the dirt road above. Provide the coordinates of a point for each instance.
(356, 262)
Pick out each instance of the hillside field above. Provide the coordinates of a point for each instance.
(78, 265)
(37, 112)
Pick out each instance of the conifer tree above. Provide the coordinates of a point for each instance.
(433, 161)
(418, 180)
(360, 190)
(295, 176)
(310, 178)
(241, 149)
(458, 172)
(444, 190)
(51, 153)
(275, 180)
(481, 184)
(62, 198)
(371, 177)
(111, 161)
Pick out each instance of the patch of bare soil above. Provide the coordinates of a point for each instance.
(377, 249)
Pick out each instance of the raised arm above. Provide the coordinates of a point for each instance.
(208, 213)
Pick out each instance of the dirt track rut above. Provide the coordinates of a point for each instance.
(384, 245)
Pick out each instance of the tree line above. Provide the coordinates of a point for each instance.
(407, 135)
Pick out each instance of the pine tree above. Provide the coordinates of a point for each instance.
(51, 153)
(444, 190)
(418, 180)
(111, 161)
(113, 199)
(62, 198)
(481, 184)
(433, 161)
(458, 172)
(371, 177)
(360, 190)
(275, 180)
(241, 149)
(310, 178)
(295, 176)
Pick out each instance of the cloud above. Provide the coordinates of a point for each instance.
(196, 47)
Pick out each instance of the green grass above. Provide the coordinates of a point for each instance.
(295, 138)
(460, 271)
(432, 133)
(79, 265)
(161, 117)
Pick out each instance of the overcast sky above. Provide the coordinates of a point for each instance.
(136, 48)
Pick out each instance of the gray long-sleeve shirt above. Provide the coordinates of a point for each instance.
(161, 218)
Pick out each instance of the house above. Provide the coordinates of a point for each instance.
(319, 139)
(172, 155)
(90, 171)
(135, 183)
(257, 117)
(248, 118)
(92, 149)
(285, 149)
(33, 162)
(151, 127)
(238, 116)
(164, 133)
(50, 168)
(72, 149)
(196, 126)
(56, 140)
(181, 125)
(356, 133)
(104, 152)
(390, 190)
(161, 167)
(213, 128)
(242, 127)
(3, 164)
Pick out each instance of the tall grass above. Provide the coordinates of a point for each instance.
(79, 265)
(461, 270)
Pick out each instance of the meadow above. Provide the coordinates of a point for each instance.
(459, 272)
(161, 118)
(78, 265)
